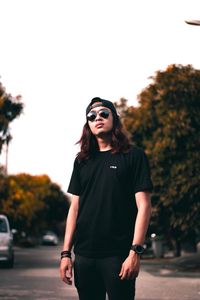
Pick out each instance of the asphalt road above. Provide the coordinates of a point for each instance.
(36, 277)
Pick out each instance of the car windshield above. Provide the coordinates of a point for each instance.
(3, 226)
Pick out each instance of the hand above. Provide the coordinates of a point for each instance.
(66, 270)
(130, 267)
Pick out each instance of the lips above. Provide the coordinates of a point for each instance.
(99, 125)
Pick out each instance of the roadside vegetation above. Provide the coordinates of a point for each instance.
(166, 123)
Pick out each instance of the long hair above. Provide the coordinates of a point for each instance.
(89, 146)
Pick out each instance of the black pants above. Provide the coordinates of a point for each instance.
(96, 277)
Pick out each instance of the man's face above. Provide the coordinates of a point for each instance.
(101, 121)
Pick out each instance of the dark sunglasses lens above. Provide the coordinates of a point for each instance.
(91, 116)
(104, 114)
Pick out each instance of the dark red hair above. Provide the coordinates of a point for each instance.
(89, 145)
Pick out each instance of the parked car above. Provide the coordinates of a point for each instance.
(6, 242)
(49, 238)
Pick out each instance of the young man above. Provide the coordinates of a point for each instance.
(110, 209)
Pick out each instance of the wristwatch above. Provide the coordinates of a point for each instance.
(139, 249)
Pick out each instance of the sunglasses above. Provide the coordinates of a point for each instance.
(103, 113)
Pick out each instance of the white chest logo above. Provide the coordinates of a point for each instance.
(113, 167)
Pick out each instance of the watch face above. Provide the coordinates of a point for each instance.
(139, 249)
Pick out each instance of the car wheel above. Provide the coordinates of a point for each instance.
(10, 262)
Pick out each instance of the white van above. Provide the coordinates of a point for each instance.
(6, 243)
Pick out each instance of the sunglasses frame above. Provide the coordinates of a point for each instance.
(103, 113)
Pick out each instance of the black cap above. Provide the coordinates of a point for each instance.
(101, 102)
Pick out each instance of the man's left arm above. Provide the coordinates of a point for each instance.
(131, 266)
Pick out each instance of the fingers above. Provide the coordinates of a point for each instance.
(128, 273)
(68, 276)
(68, 280)
(121, 271)
(66, 272)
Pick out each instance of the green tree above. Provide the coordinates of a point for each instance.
(10, 109)
(167, 125)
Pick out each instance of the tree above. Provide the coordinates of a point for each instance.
(167, 124)
(56, 208)
(32, 203)
(10, 109)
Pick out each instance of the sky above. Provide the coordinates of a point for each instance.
(59, 54)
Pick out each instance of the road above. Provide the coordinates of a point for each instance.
(163, 283)
(36, 277)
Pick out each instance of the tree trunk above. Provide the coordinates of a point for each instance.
(177, 250)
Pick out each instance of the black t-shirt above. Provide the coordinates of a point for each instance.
(106, 185)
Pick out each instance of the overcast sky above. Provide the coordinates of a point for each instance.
(58, 54)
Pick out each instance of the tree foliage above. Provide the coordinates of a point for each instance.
(167, 125)
(10, 109)
(32, 203)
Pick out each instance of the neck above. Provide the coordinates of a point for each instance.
(104, 143)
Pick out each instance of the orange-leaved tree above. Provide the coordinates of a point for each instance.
(33, 202)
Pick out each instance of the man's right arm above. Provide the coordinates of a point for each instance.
(66, 263)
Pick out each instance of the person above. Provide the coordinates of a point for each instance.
(110, 209)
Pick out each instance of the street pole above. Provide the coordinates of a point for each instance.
(193, 22)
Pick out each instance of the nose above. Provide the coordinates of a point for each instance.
(98, 117)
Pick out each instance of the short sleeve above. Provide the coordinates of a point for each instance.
(75, 184)
(142, 176)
